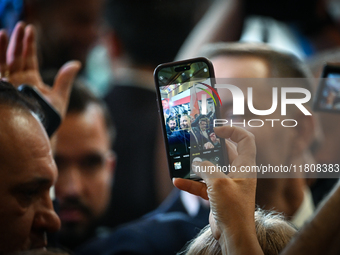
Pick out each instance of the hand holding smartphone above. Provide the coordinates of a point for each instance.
(188, 105)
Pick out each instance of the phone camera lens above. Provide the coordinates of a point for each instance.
(182, 68)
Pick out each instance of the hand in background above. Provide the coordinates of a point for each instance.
(19, 65)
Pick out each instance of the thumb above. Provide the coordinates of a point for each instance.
(65, 77)
(63, 83)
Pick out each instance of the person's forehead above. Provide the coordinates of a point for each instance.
(83, 131)
(26, 152)
(240, 67)
(245, 68)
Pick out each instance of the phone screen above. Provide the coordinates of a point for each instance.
(188, 109)
(328, 94)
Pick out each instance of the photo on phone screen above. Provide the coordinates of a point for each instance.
(328, 94)
(188, 106)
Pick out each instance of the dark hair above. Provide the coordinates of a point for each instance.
(151, 32)
(81, 97)
(10, 96)
(171, 118)
(203, 119)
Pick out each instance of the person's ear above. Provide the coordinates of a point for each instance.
(305, 132)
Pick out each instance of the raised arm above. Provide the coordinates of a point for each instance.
(322, 234)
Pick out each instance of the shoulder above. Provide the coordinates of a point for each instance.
(163, 233)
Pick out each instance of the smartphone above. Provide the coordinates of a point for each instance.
(327, 97)
(52, 118)
(188, 105)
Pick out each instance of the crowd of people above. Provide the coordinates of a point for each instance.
(100, 183)
(186, 133)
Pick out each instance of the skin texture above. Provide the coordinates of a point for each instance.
(27, 171)
(85, 165)
(320, 235)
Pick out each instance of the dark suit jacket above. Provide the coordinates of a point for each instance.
(198, 140)
(134, 111)
(179, 142)
(164, 231)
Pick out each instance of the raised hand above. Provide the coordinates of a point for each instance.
(19, 65)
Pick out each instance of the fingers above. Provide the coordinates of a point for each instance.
(232, 150)
(63, 83)
(15, 49)
(245, 140)
(65, 77)
(30, 49)
(193, 187)
(3, 48)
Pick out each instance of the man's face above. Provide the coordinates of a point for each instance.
(165, 104)
(274, 144)
(203, 125)
(172, 125)
(27, 171)
(184, 122)
(85, 165)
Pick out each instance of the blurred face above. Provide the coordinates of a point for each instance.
(27, 171)
(274, 144)
(165, 104)
(85, 165)
(172, 124)
(203, 125)
(184, 122)
(69, 29)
